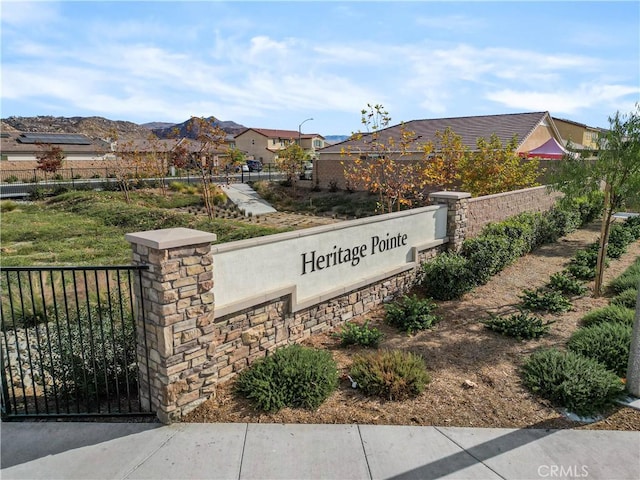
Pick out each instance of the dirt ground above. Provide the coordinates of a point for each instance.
(474, 371)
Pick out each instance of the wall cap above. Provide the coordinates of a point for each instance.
(170, 238)
(450, 195)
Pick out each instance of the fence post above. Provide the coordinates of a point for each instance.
(458, 206)
(177, 295)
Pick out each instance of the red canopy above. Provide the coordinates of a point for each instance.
(550, 149)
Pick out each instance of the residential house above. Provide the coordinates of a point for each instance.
(19, 150)
(580, 137)
(263, 144)
(531, 131)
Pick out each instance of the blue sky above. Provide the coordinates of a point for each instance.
(275, 64)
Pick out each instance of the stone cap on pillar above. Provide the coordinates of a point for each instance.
(170, 238)
(450, 195)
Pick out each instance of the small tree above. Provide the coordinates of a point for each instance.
(442, 167)
(233, 159)
(291, 161)
(617, 167)
(155, 160)
(50, 158)
(210, 138)
(380, 165)
(126, 161)
(494, 168)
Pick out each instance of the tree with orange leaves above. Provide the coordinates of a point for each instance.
(494, 168)
(380, 164)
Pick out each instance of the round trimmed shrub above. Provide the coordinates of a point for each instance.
(609, 314)
(363, 335)
(411, 314)
(294, 376)
(486, 255)
(446, 277)
(391, 374)
(608, 343)
(570, 380)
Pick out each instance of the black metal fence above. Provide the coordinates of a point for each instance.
(69, 341)
(79, 176)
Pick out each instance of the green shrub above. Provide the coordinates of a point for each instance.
(363, 335)
(486, 255)
(411, 314)
(37, 193)
(520, 231)
(11, 179)
(95, 354)
(391, 374)
(521, 326)
(609, 314)
(293, 376)
(544, 301)
(619, 235)
(630, 278)
(607, 343)
(446, 277)
(628, 298)
(564, 220)
(566, 284)
(633, 225)
(581, 272)
(570, 380)
(583, 264)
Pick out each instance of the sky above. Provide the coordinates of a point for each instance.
(280, 64)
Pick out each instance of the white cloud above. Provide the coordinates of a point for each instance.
(28, 14)
(565, 101)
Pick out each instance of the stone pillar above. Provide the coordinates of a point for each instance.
(177, 371)
(458, 206)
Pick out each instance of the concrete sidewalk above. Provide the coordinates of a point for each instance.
(247, 199)
(52, 450)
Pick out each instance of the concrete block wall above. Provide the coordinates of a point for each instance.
(498, 207)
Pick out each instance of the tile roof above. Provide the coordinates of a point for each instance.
(273, 133)
(10, 143)
(505, 126)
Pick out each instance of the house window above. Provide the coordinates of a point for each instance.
(317, 143)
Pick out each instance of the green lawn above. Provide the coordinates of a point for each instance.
(88, 228)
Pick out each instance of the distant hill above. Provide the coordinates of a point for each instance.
(186, 129)
(94, 127)
(103, 128)
(157, 125)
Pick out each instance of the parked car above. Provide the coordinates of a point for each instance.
(307, 171)
(254, 165)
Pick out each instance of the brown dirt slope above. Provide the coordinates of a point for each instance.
(475, 381)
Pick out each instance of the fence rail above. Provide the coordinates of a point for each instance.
(69, 341)
(73, 175)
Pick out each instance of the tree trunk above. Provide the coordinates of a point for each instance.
(604, 240)
(633, 370)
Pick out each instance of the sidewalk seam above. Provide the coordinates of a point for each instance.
(244, 445)
(467, 452)
(133, 469)
(364, 450)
